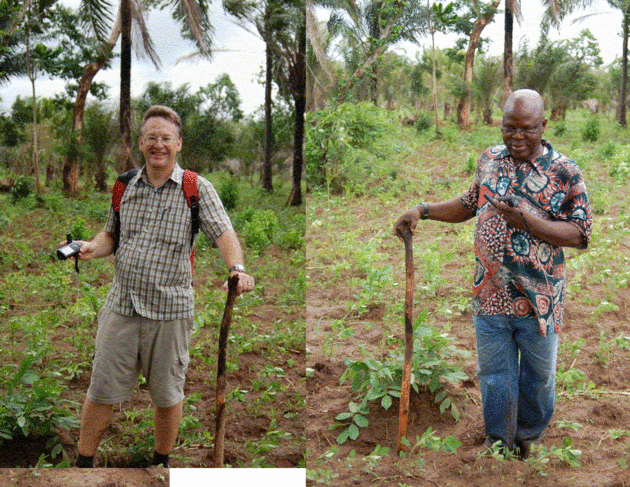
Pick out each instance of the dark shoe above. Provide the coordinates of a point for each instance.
(523, 449)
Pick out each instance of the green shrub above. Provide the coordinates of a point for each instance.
(608, 150)
(620, 164)
(21, 189)
(32, 405)
(471, 164)
(561, 128)
(229, 192)
(80, 230)
(258, 228)
(591, 130)
(341, 142)
(424, 122)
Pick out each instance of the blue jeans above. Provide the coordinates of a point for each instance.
(517, 377)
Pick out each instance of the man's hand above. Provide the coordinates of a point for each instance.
(408, 220)
(559, 233)
(245, 283)
(512, 215)
(100, 246)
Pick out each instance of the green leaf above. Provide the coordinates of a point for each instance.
(439, 397)
(373, 395)
(361, 421)
(445, 403)
(353, 432)
(343, 416)
(343, 436)
(386, 402)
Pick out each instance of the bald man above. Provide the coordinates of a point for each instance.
(530, 201)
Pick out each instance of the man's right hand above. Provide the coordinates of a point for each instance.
(408, 220)
(100, 246)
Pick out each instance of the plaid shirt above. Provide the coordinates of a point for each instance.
(153, 270)
(516, 273)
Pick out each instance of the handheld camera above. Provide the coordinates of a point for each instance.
(71, 249)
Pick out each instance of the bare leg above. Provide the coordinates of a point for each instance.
(166, 427)
(95, 419)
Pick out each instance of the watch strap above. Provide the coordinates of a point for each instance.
(424, 213)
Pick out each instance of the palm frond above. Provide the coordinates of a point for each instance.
(96, 16)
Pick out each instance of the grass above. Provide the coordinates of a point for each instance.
(49, 312)
(355, 286)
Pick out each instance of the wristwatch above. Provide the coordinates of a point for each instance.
(425, 213)
(237, 267)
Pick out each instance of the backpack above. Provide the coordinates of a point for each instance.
(191, 193)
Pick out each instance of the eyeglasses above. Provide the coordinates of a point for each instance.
(512, 131)
(153, 140)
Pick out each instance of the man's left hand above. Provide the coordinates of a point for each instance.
(512, 215)
(245, 282)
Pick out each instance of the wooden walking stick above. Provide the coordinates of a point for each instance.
(219, 435)
(407, 237)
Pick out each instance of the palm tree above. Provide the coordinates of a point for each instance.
(484, 17)
(266, 17)
(192, 14)
(282, 26)
(370, 28)
(555, 11)
(512, 9)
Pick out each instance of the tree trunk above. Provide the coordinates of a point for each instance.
(267, 179)
(126, 160)
(624, 70)
(465, 103)
(487, 116)
(299, 97)
(71, 163)
(38, 183)
(31, 71)
(508, 61)
(434, 69)
(374, 84)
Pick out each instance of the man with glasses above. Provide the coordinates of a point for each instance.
(147, 318)
(530, 201)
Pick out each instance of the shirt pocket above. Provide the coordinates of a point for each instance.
(173, 228)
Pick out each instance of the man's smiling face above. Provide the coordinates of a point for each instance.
(160, 142)
(523, 126)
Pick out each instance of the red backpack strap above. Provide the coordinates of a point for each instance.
(117, 194)
(191, 192)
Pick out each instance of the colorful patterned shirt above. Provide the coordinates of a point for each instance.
(153, 269)
(516, 273)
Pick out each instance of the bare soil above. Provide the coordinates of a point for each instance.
(127, 444)
(98, 477)
(600, 412)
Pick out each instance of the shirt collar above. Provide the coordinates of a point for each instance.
(541, 163)
(177, 175)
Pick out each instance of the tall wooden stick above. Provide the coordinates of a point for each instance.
(219, 436)
(407, 237)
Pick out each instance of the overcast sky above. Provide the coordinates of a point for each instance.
(238, 53)
(241, 54)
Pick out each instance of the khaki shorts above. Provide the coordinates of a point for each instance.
(129, 345)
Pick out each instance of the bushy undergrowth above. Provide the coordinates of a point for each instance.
(342, 143)
(48, 313)
(379, 380)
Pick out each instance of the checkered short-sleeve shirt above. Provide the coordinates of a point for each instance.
(153, 272)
